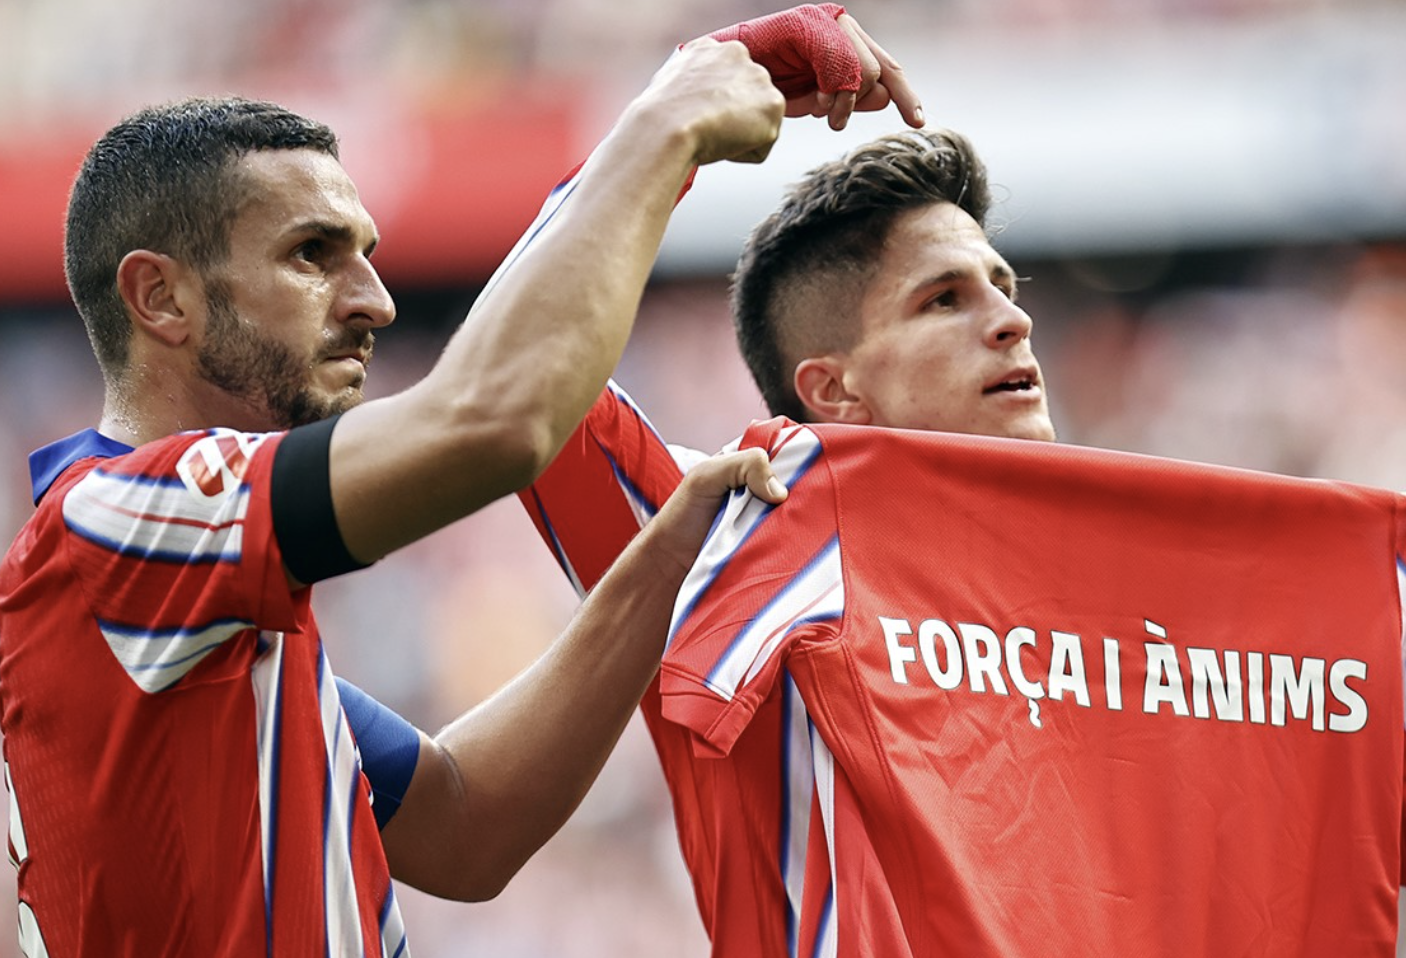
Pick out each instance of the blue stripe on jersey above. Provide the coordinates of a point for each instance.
(797, 777)
(641, 503)
(626, 400)
(151, 555)
(270, 754)
(825, 928)
(231, 625)
(764, 623)
(341, 794)
(554, 541)
(823, 764)
(682, 615)
(393, 940)
(695, 591)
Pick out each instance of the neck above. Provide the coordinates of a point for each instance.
(140, 408)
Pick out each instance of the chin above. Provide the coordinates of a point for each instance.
(347, 399)
(1039, 430)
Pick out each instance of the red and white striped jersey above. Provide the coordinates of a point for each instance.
(962, 695)
(756, 852)
(183, 779)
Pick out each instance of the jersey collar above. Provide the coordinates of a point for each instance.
(47, 463)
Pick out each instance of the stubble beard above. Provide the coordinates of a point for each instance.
(265, 374)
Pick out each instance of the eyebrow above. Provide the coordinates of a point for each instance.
(1000, 271)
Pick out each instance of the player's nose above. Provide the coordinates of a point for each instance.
(1006, 323)
(366, 298)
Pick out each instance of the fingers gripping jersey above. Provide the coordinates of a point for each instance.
(183, 777)
(1058, 701)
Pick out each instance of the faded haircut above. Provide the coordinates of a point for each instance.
(163, 180)
(803, 271)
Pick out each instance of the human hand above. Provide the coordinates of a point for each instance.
(688, 515)
(722, 98)
(825, 64)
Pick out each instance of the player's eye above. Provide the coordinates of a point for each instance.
(946, 299)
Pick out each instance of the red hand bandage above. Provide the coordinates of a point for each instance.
(803, 49)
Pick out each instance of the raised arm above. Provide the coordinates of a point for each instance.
(616, 470)
(536, 349)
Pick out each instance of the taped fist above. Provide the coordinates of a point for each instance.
(804, 49)
(824, 63)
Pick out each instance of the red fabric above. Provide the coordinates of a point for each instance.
(1077, 702)
(958, 825)
(804, 49)
(185, 814)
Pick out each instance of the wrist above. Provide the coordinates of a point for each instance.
(658, 142)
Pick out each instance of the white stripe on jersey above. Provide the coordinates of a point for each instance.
(795, 451)
(156, 518)
(156, 659)
(816, 593)
(31, 938)
(18, 844)
(393, 940)
(1401, 590)
(339, 880)
(798, 783)
(642, 509)
(828, 936)
(266, 678)
(558, 550)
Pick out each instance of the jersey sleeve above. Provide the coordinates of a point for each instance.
(174, 549)
(767, 579)
(615, 471)
(388, 747)
(610, 478)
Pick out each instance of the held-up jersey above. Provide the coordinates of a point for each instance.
(1057, 701)
(183, 777)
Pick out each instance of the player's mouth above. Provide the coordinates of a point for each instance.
(359, 358)
(1016, 381)
(355, 346)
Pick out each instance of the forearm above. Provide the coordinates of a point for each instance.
(500, 781)
(512, 770)
(525, 366)
(540, 344)
(538, 347)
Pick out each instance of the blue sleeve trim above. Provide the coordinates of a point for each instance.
(389, 748)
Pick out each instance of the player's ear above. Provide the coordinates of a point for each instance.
(158, 292)
(820, 385)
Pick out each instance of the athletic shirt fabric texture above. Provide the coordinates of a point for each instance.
(983, 697)
(183, 777)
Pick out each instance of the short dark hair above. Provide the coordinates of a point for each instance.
(162, 179)
(803, 271)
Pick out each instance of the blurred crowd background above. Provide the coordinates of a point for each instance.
(1207, 200)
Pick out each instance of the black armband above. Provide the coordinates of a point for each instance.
(301, 498)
